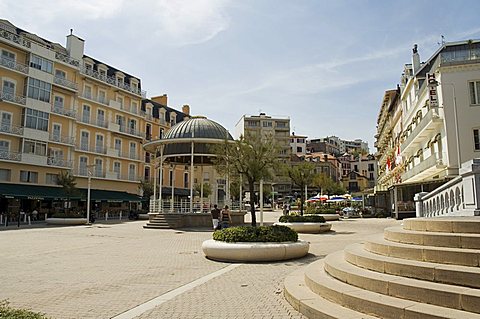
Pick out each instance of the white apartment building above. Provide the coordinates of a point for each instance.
(298, 144)
(440, 116)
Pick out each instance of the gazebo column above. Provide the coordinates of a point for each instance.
(172, 200)
(161, 182)
(201, 188)
(191, 177)
(153, 205)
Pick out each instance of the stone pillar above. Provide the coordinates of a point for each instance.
(419, 204)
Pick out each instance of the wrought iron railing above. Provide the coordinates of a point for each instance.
(12, 129)
(14, 65)
(66, 83)
(13, 98)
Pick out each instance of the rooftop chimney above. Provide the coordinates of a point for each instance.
(75, 46)
(415, 59)
(186, 109)
(162, 99)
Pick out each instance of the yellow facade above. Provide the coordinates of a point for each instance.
(61, 110)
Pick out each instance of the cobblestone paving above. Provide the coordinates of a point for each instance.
(104, 270)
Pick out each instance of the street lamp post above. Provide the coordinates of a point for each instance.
(89, 172)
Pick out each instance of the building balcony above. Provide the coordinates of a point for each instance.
(99, 149)
(431, 122)
(13, 65)
(460, 56)
(65, 83)
(14, 38)
(67, 59)
(83, 172)
(121, 177)
(70, 140)
(13, 98)
(130, 131)
(95, 99)
(63, 111)
(60, 162)
(92, 121)
(11, 129)
(111, 81)
(426, 168)
(10, 156)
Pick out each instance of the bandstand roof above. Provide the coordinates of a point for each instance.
(177, 142)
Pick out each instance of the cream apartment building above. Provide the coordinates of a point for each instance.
(62, 110)
(279, 129)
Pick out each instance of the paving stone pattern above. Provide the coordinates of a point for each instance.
(106, 269)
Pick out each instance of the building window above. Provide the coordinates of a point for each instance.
(299, 149)
(58, 103)
(8, 90)
(267, 124)
(60, 74)
(133, 150)
(4, 149)
(84, 140)
(281, 124)
(98, 167)
(147, 173)
(37, 120)
(116, 168)
(39, 90)
(476, 139)
(5, 175)
(118, 145)
(474, 88)
(134, 107)
(28, 177)
(87, 92)
(371, 177)
(185, 180)
(40, 63)
(51, 179)
(371, 168)
(7, 55)
(35, 147)
(170, 178)
(83, 166)
(131, 172)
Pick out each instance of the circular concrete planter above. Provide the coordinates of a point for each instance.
(66, 221)
(307, 227)
(330, 217)
(254, 251)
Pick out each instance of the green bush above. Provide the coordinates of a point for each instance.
(68, 215)
(256, 234)
(301, 219)
(8, 312)
(320, 210)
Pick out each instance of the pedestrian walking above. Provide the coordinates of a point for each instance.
(215, 216)
(226, 217)
(34, 214)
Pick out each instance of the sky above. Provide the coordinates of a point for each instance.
(324, 64)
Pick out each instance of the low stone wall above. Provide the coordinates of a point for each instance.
(253, 252)
(66, 221)
(201, 219)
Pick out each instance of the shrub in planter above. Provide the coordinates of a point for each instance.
(320, 210)
(8, 312)
(301, 219)
(71, 214)
(256, 234)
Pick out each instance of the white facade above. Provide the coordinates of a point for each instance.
(298, 144)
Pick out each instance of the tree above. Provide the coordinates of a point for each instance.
(147, 189)
(328, 185)
(302, 175)
(67, 181)
(251, 156)
(207, 189)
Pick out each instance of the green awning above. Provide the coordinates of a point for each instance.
(110, 196)
(33, 192)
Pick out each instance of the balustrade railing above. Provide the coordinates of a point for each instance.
(458, 197)
(55, 161)
(67, 59)
(12, 129)
(66, 83)
(14, 65)
(63, 111)
(14, 38)
(11, 156)
(12, 98)
(62, 139)
(110, 80)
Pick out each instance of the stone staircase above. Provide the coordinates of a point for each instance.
(429, 268)
(165, 221)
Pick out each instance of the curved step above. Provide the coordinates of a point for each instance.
(373, 303)
(444, 224)
(441, 255)
(448, 274)
(428, 238)
(443, 295)
(312, 305)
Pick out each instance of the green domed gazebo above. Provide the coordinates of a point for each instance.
(186, 143)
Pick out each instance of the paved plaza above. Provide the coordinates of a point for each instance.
(106, 270)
